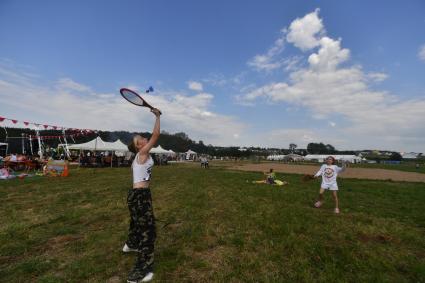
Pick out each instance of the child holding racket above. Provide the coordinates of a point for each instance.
(142, 234)
(329, 173)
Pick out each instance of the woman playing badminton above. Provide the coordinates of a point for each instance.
(142, 234)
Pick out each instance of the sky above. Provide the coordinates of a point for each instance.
(243, 73)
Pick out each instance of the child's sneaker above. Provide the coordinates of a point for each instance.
(337, 210)
(318, 204)
(127, 249)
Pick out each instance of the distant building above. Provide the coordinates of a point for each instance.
(409, 155)
(338, 157)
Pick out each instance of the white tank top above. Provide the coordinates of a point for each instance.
(142, 172)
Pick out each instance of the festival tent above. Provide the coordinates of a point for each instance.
(338, 157)
(120, 146)
(159, 150)
(190, 155)
(98, 144)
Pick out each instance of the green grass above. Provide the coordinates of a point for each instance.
(404, 166)
(212, 227)
(407, 166)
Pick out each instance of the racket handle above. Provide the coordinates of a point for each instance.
(152, 108)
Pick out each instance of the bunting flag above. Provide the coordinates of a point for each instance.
(47, 126)
(55, 137)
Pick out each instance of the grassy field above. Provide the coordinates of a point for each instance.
(404, 166)
(213, 226)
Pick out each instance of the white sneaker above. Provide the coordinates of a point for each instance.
(127, 249)
(148, 277)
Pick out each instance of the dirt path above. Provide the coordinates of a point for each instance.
(359, 173)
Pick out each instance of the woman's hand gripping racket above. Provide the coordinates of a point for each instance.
(136, 99)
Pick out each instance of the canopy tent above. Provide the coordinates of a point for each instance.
(190, 155)
(98, 144)
(120, 146)
(159, 150)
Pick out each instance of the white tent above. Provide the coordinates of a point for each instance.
(98, 144)
(190, 155)
(338, 157)
(120, 146)
(159, 150)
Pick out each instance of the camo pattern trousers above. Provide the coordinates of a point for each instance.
(142, 233)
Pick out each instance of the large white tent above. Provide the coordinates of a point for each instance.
(120, 146)
(338, 157)
(159, 150)
(98, 144)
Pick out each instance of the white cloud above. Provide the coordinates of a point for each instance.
(268, 61)
(304, 32)
(332, 124)
(71, 104)
(329, 56)
(196, 86)
(300, 136)
(377, 77)
(325, 87)
(421, 53)
(69, 84)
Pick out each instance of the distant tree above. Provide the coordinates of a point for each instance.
(396, 156)
(182, 135)
(330, 149)
(320, 148)
(292, 147)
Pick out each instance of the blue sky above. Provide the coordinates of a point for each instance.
(267, 73)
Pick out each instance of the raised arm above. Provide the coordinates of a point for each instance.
(342, 169)
(155, 132)
(319, 172)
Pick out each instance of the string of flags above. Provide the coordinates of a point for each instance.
(74, 132)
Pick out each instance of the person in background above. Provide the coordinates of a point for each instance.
(270, 177)
(13, 157)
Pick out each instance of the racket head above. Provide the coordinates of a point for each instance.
(307, 177)
(133, 97)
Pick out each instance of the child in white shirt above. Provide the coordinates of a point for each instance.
(329, 173)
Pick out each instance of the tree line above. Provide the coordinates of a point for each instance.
(178, 142)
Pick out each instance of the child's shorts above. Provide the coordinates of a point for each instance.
(331, 187)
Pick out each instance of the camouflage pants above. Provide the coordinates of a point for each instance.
(141, 234)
